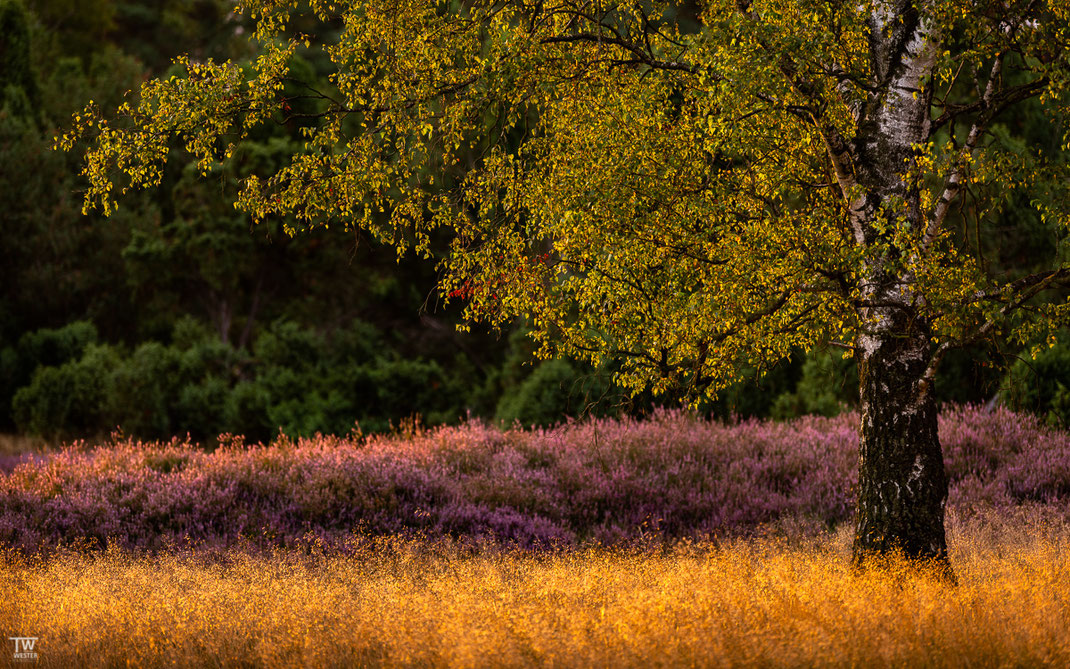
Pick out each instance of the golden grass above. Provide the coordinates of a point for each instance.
(399, 603)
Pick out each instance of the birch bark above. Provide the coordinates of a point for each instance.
(902, 487)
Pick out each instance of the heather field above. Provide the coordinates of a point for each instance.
(607, 481)
(665, 542)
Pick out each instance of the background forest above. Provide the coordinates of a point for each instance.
(177, 315)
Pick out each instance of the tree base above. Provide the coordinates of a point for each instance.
(897, 566)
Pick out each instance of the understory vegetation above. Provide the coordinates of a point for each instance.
(611, 481)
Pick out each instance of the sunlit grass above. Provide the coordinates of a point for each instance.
(400, 602)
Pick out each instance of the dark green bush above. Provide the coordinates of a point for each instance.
(200, 407)
(246, 412)
(47, 347)
(553, 392)
(756, 396)
(52, 347)
(827, 385)
(296, 380)
(142, 389)
(68, 399)
(1041, 386)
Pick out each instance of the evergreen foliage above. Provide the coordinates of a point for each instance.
(19, 94)
(1042, 385)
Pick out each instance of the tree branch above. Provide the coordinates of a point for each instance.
(990, 105)
(641, 57)
(1034, 283)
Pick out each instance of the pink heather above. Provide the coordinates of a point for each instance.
(669, 476)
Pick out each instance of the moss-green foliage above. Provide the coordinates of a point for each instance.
(551, 391)
(51, 347)
(295, 379)
(19, 94)
(1042, 386)
(71, 397)
(547, 396)
(756, 395)
(48, 347)
(828, 384)
(320, 383)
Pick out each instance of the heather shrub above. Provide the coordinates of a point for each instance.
(608, 480)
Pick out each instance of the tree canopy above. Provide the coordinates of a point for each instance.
(674, 195)
(688, 191)
(200, 324)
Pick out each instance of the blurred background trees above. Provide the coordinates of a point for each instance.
(177, 315)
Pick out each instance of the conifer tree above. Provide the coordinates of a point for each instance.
(18, 84)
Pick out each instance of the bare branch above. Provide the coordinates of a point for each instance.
(954, 180)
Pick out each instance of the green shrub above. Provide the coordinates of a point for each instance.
(70, 399)
(53, 347)
(554, 391)
(755, 397)
(296, 379)
(201, 407)
(141, 391)
(49, 347)
(9, 371)
(246, 412)
(327, 411)
(828, 384)
(1041, 386)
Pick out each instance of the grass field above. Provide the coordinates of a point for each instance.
(666, 542)
(389, 601)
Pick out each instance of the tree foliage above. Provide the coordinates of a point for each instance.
(682, 198)
(182, 251)
(18, 86)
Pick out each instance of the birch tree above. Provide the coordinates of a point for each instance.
(687, 192)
